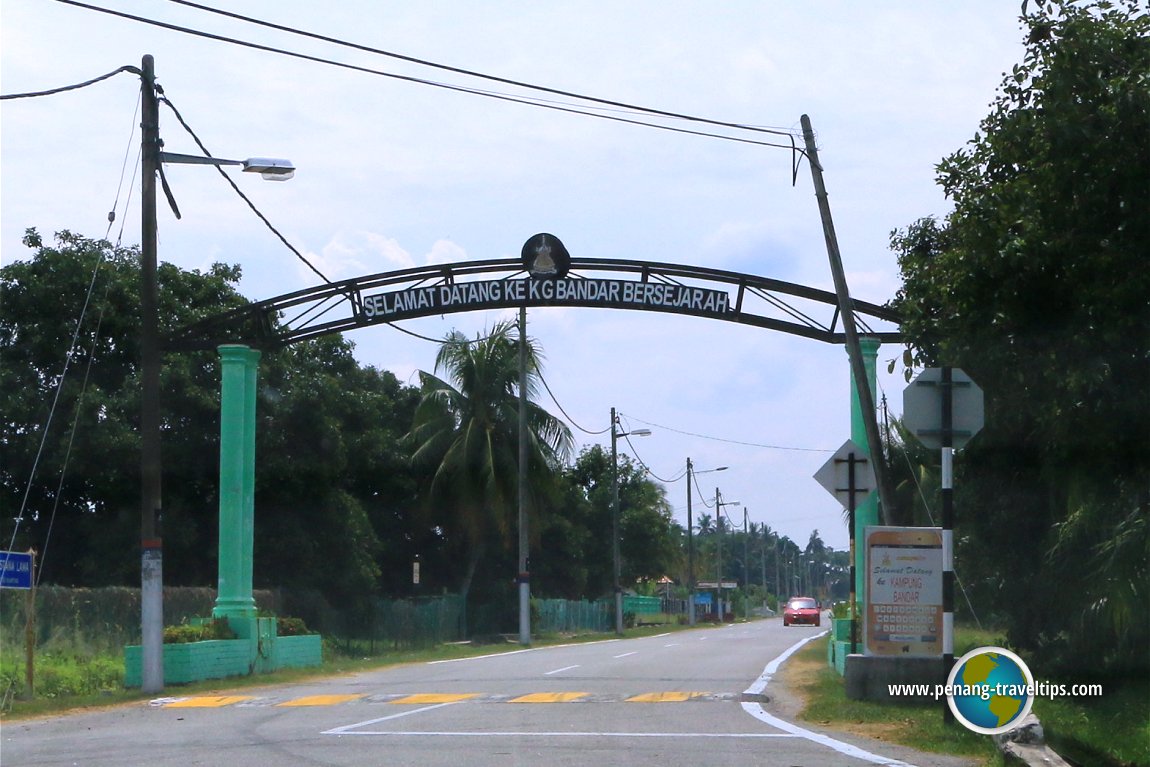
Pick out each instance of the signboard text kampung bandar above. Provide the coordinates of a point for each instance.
(495, 293)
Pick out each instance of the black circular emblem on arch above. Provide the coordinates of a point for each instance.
(545, 257)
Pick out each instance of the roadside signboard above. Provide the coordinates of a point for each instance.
(904, 614)
(15, 570)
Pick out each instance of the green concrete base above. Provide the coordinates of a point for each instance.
(258, 651)
(839, 645)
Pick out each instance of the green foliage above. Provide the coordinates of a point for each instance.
(216, 628)
(1036, 286)
(333, 484)
(465, 440)
(292, 627)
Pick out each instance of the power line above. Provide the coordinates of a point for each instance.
(735, 441)
(791, 145)
(565, 413)
(238, 191)
(481, 75)
(62, 89)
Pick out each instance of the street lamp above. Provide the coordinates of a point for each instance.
(151, 466)
(691, 542)
(719, 504)
(269, 168)
(615, 513)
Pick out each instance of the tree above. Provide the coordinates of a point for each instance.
(649, 541)
(465, 436)
(1036, 285)
(85, 519)
(333, 484)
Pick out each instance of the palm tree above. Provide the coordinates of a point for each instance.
(466, 433)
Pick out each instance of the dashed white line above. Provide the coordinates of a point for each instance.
(558, 670)
(624, 655)
(348, 728)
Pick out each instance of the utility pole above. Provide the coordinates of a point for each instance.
(616, 566)
(746, 572)
(719, 538)
(846, 309)
(524, 577)
(690, 552)
(151, 465)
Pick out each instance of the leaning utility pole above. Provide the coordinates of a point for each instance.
(846, 309)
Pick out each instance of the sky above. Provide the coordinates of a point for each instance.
(394, 174)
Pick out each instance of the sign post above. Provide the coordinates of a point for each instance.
(847, 474)
(943, 407)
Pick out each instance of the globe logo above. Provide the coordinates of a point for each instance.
(990, 690)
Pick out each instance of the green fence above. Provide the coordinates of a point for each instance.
(642, 605)
(561, 616)
(105, 620)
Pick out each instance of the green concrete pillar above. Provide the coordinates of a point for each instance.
(234, 599)
(866, 513)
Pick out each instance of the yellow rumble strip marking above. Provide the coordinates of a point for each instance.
(208, 701)
(320, 700)
(425, 698)
(665, 697)
(549, 697)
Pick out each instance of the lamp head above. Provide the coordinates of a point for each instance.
(270, 168)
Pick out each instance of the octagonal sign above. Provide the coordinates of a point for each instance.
(922, 407)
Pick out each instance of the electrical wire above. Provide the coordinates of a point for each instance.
(471, 73)
(123, 170)
(56, 399)
(735, 441)
(72, 436)
(238, 191)
(792, 146)
(646, 468)
(62, 89)
(565, 413)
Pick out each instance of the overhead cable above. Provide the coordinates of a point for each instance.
(735, 441)
(85, 84)
(243, 196)
(791, 145)
(481, 75)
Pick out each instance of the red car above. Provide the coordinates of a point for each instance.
(802, 610)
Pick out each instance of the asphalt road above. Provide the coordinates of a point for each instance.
(677, 700)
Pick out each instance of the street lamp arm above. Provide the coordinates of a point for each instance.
(271, 168)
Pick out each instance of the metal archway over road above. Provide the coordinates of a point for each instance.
(508, 283)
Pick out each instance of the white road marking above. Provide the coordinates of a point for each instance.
(558, 670)
(346, 729)
(756, 710)
(624, 655)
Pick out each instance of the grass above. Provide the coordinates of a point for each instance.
(1112, 730)
(1109, 731)
(918, 725)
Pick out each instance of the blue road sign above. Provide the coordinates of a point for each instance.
(15, 570)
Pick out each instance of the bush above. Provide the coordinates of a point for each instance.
(292, 627)
(216, 628)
